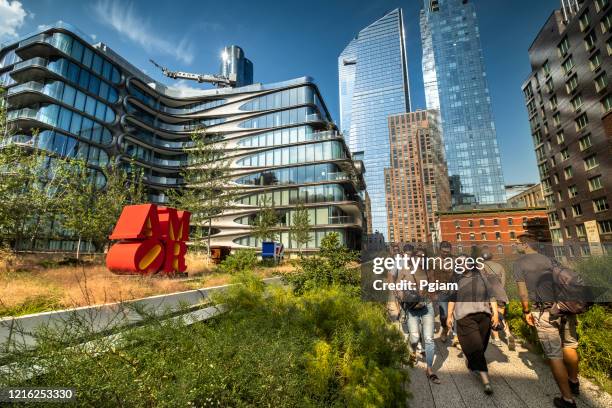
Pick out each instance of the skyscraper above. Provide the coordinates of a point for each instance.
(569, 102)
(416, 181)
(373, 84)
(455, 83)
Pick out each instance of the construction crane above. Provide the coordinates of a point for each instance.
(219, 80)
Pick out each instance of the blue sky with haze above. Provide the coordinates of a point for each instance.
(288, 39)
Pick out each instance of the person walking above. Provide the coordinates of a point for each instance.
(419, 309)
(557, 334)
(444, 275)
(496, 275)
(474, 308)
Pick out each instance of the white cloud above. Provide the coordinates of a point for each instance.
(12, 15)
(122, 17)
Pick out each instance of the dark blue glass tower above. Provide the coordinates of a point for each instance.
(455, 84)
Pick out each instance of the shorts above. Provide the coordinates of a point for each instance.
(555, 334)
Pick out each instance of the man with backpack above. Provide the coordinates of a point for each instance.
(534, 274)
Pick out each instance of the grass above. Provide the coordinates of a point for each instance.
(42, 284)
(272, 348)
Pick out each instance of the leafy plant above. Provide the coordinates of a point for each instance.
(240, 261)
(332, 266)
(265, 221)
(300, 226)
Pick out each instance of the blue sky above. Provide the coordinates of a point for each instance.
(288, 39)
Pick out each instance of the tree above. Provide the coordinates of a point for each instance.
(92, 210)
(300, 226)
(205, 194)
(265, 221)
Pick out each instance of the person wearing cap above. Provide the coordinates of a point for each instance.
(446, 276)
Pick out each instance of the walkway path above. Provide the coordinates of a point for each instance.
(520, 379)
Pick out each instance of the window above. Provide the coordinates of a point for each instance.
(564, 154)
(546, 68)
(470, 223)
(605, 227)
(601, 204)
(591, 162)
(595, 61)
(483, 236)
(567, 232)
(584, 20)
(563, 213)
(568, 172)
(500, 249)
(481, 222)
(572, 84)
(572, 191)
(510, 221)
(563, 47)
(590, 40)
(549, 85)
(560, 137)
(568, 64)
(553, 102)
(459, 237)
(606, 103)
(457, 224)
(512, 235)
(606, 23)
(472, 236)
(556, 119)
(576, 102)
(595, 183)
(601, 82)
(495, 221)
(584, 142)
(498, 236)
(576, 210)
(582, 121)
(580, 230)
(609, 46)
(537, 137)
(601, 4)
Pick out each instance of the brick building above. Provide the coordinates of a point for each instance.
(569, 101)
(416, 183)
(495, 227)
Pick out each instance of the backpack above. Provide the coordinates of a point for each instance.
(571, 293)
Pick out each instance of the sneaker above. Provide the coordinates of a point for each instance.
(511, 343)
(487, 389)
(561, 402)
(575, 387)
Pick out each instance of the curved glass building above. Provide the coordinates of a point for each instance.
(90, 103)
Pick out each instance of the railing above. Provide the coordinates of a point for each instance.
(163, 180)
(341, 219)
(337, 176)
(38, 61)
(161, 143)
(313, 117)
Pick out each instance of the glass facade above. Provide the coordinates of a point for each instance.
(89, 103)
(455, 84)
(373, 84)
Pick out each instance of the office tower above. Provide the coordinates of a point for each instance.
(88, 102)
(569, 103)
(416, 182)
(373, 84)
(455, 84)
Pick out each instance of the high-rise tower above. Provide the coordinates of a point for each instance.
(455, 84)
(373, 84)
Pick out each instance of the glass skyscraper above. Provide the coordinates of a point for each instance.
(373, 84)
(455, 84)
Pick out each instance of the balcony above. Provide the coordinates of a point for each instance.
(163, 180)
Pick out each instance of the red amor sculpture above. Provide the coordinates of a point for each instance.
(151, 239)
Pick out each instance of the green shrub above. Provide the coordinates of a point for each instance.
(332, 266)
(240, 261)
(595, 345)
(272, 348)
